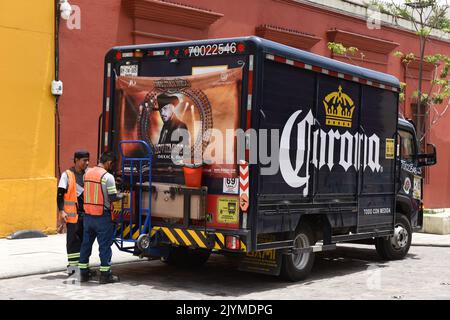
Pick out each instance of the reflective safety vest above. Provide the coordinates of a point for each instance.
(94, 203)
(70, 198)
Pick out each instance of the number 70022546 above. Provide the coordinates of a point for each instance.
(212, 49)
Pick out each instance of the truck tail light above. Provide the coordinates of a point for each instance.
(233, 243)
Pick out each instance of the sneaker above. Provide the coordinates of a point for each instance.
(108, 277)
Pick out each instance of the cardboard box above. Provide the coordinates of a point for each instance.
(168, 200)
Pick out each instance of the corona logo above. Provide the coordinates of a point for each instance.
(318, 148)
(339, 109)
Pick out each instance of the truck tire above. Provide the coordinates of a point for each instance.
(296, 267)
(183, 257)
(397, 246)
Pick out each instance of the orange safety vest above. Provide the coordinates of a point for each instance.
(94, 203)
(70, 198)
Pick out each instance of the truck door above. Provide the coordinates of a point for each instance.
(410, 188)
(157, 91)
(376, 199)
(411, 175)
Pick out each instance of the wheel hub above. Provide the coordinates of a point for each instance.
(400, 238)
(143, 242)
(300, 259)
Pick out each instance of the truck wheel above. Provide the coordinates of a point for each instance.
(184, 258)
(397, 246)
(296, 267)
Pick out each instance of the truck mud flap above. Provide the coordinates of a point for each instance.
(264, 262)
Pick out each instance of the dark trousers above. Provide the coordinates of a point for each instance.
(102, 228)
(74, 239)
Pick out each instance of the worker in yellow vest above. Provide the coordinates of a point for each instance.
(70, 206)
(99, 193)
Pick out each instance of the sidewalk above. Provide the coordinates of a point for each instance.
(44, 255)
(431, 240)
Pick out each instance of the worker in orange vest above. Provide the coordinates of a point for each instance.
(99, 193)
(70, 206)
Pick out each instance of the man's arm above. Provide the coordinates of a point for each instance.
(113, 195)
(62, 189)
(60, 198)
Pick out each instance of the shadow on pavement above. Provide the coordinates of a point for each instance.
(220, 277)
(59, 276)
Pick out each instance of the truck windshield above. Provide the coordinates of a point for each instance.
(408, 149)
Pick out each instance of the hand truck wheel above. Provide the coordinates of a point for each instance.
(143, 242)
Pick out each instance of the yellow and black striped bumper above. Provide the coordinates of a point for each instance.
(183, 237)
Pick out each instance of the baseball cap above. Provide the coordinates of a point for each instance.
(81, 154)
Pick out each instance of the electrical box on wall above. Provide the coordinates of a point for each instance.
(57, 88)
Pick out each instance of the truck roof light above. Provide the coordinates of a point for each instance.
(241, 47)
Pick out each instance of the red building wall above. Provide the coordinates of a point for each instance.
(107, 23)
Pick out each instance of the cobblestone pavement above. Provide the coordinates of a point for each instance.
(350, 272)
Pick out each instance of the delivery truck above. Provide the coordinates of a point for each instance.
(258, 151)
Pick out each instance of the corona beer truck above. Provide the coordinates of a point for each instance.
(250, 148)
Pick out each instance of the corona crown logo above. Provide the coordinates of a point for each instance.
(339, 109)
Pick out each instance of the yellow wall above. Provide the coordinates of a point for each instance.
(27, 139)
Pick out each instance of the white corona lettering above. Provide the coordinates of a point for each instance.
(289, 173)
(346, 158)
(318, 148)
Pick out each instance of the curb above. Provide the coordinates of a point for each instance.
(59, 269)
(26, 234)
(430, 245)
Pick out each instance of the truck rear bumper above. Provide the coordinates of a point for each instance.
(198, 238)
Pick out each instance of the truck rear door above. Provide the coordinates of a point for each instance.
(207, 80)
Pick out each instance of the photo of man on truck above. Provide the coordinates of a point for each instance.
(167, 105)
(182, 119)
(171, 123)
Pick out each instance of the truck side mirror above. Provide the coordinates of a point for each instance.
(428, 158)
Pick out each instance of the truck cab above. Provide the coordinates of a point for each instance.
(410, 191)
(409, 199)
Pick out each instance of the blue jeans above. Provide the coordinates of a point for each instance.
(102, 228)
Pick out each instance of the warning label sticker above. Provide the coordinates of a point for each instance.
(129, 70)
(390, 143)
(227, 210)
(417, 191)
(231, 185)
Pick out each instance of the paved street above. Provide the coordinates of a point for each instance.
(351, 272)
